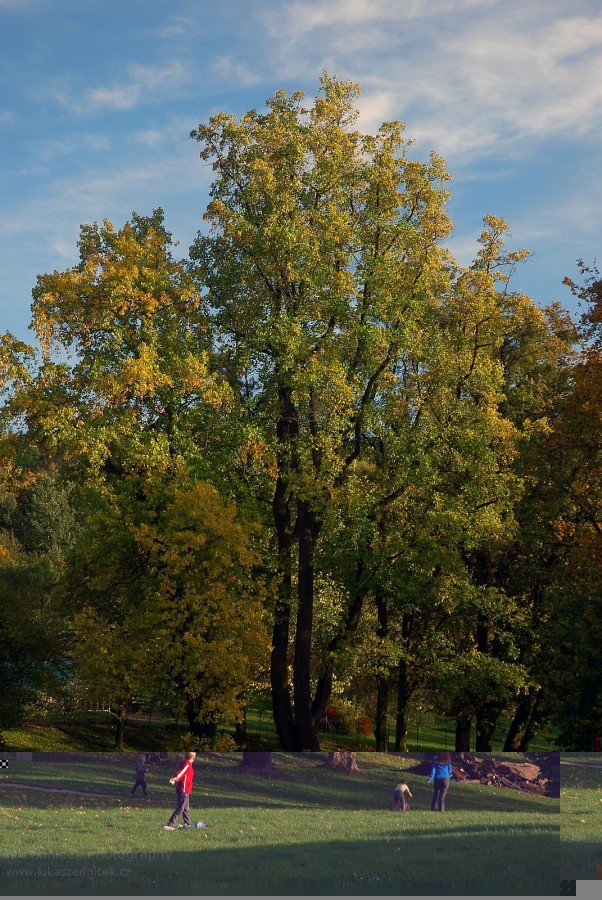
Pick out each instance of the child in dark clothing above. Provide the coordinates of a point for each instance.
(141, 770)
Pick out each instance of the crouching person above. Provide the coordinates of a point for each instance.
(399, 796)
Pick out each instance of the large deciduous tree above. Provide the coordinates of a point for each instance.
(322, 255)
(397, 423)
(164, 582)
(576, 443)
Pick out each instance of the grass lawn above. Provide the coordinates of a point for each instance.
(89, 731)
(302, 830)
(581, 816)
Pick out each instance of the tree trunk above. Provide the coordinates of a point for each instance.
(382, 680)
(281, 691)
(401, 719)
(533, 723)
(287, 431)
(463, 732)
(240, 730)
(257, 762)
(404, 688)
(485, 731)
(202, 731)
(518, 724)
(342, 760)
(352, 620)
(382, 707)
(488, 714)
(308, 529)
(322, 695)
(120, 728)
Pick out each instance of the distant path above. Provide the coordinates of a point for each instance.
(47, 790)
(589, 765)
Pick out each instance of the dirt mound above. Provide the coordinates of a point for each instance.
(540, 776)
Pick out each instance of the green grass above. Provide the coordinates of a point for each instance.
(581, 816)
(96, 731)
(88, 731)
(589, 758)
(303, 830)
(429, 732)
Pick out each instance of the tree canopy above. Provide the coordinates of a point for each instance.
(316, 455)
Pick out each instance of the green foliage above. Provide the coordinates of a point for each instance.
(33, 638)
(414, 438)
(37, 526)
(172, 608)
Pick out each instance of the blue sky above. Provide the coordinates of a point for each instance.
(98, 99)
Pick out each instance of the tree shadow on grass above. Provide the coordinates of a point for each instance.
(221, 783)
(578, 859)
(267, 796)
(478, 865)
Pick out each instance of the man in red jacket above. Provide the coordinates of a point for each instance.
(183, 781)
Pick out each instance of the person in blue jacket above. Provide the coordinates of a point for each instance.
(441, 774)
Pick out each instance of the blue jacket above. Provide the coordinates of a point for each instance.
(440, 771)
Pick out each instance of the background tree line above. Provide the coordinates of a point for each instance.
(316, 455)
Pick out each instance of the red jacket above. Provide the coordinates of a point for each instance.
(185, 777)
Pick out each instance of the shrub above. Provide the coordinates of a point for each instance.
(342, 719)
(365, 726)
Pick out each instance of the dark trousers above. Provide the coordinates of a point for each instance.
(399, 801)
(141, 782)
(182, 809)
(439, 794)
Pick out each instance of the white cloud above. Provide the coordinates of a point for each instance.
(50, 220)
(298, 19)
(149, 137)
(44, 152)
(377, 106)
(470, 78)
(228, 69)
(124, 96)
(576, 208)
(516, 83)
(178, 25)
(141, 84)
